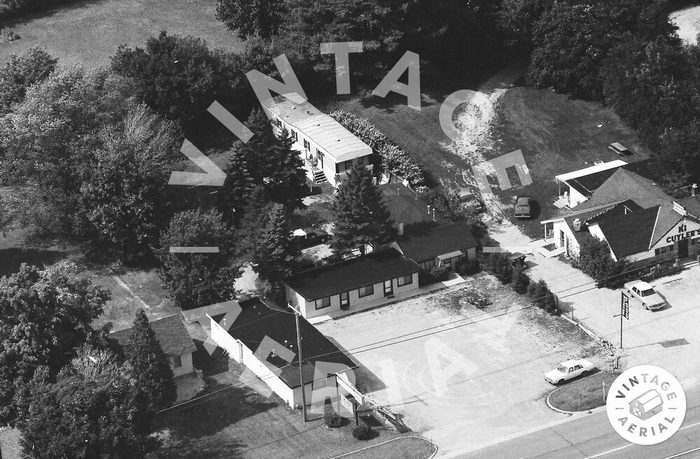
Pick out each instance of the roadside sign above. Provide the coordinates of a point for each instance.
(625, 306)
(345, 383)
(348, 404)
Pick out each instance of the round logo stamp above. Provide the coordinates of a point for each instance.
(646, 405)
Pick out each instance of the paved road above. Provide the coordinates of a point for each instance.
(591, 436)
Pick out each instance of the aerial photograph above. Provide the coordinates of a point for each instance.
(349, 229)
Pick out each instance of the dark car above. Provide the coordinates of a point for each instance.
(309, 237)
(523, 207)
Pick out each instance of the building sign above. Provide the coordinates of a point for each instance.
(625, 306)
(683, 233)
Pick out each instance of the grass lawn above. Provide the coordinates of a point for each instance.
(583, 394)
(88, 32)
(404, 447)
(239, 422)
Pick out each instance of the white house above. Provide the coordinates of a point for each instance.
(173, 338)
(328, 149)
(578, 186)
(641, 224)
(355, 284)
(264, 339)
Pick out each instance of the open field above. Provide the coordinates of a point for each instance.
(89, 32)
(458, 375)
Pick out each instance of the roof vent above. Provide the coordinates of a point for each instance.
(577, 224)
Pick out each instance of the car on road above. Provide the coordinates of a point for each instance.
(645, 294)
(569, 370)
(523, 207)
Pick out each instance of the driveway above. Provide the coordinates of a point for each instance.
(458, 375)
(668, 338)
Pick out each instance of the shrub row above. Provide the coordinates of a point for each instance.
(13, 8)
(394, 159)
(500, 265)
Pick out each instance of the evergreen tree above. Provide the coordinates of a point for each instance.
(520, 281)
(360, 215)
(150, 367)
(273, 251)
(251, 18)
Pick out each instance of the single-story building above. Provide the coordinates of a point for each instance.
(578, 186)
(640, 223)
(264, 339)
(407, 207)
(328, 149)
(353, 284)
(431, 246)
(173, 338)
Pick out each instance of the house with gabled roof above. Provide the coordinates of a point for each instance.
(639, 221)
(174, 340)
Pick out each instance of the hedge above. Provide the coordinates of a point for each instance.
(394, 159)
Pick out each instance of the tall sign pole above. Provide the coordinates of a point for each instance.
(301, 359)
(624, 311)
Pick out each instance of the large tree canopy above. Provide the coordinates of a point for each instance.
(44, 316)
(22, 71)
(251, 18)
(195, 279)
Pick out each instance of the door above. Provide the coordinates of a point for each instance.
(345, 300)
(561, 238)
(683, 248)
(388, 288)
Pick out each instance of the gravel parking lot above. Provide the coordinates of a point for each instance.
(459, 375)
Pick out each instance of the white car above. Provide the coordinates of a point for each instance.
(569, 370)
(646, 295)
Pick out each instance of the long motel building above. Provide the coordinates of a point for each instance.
(640, 223)
(328, 149)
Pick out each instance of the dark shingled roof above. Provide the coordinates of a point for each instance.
(170, 333)
(691, 204)
(623, 185)
(351, 274)
(587, 184)
(403, 205)
(425, 243)
(257, 320)
(631, 233)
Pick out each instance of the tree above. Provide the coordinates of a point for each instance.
(360, 216)
(179, 77)
(91, 410)
(250, 18)
(273, 251)
(269, 163)
(499, 265)
(22, 71)
(49, 140)
(193, 279)
(542, 297)
(149, 366)
(520, 281)
(124, 197)
(595, 259)
(44, 316)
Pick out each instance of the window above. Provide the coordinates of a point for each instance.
(367, 290)
(323, 303)
(307, 146)
(177, 361)
(345, 300)
(694, 241)
(662, 250)
(428, 265)
(405, 280)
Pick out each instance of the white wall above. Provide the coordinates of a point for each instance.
(561, 225)
(575, 198)
(308, 308)
(186, 368)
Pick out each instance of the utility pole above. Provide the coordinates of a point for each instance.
(301, 373)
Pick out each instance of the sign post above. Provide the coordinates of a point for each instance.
(624, 312)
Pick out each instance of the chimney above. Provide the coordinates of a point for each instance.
(693, 189)
(577, 224)
(400, 230)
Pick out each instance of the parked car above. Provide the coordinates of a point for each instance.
(523, 207)
(646, 295)
(619, 149)
(569, 370)
(309, 237)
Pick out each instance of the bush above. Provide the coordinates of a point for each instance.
(499, 265)
(334, 420)
(595, 260)
(363, 432)
(394, 160)
(468, 267)
(520, 281)
(439, 273)
(542, 297)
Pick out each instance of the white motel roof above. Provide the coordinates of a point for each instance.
(590, 170)
(319, 127)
